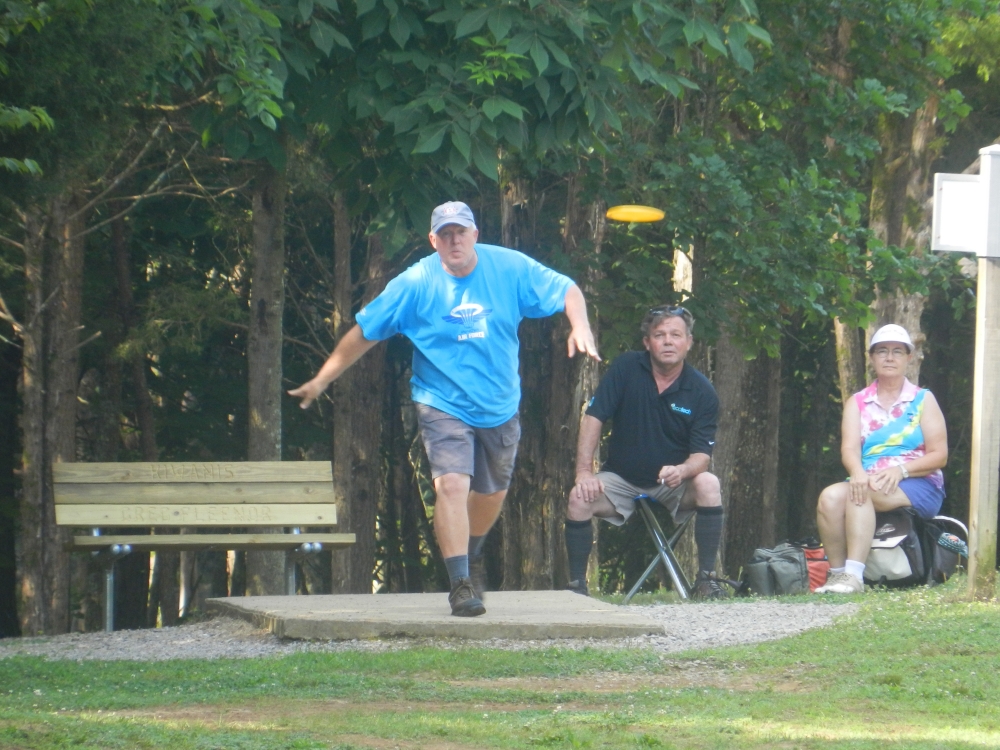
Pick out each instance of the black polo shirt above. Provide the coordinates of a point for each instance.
(651, 430)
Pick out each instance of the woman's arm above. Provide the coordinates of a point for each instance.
(935, 440)
(850, 452)
(935, 444)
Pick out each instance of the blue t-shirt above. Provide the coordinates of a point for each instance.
(464, 330)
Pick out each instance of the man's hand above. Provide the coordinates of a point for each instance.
(671, 476)
(308, 392)
(582, 340)
(859, 484)
(587, 487)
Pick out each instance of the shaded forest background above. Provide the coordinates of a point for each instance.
(197, 198)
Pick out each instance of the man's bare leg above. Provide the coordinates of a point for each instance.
(484, 510)
(451, 514)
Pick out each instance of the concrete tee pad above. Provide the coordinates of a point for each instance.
(525, 615)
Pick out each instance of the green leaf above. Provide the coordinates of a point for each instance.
(520, 43)
(492, 107)
(499, 21)
(713, 38)
(750, 7)
(306, 9)
(472, 22)
(330, 5)
(322, 35)
(461, 140)
(757, 32)
(561, 57)
(737, 38)
(539, 56)
(512, 109)
(272, 106)
(693, 32)
(236, 142)
(266, 16)
(543, 88)
(486, 160)
(399, 30)
(268, 121)
(365, 6)
(430, 138)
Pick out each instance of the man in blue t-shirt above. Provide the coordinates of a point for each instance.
(461, 308)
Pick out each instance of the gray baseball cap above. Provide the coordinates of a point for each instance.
(453, 212)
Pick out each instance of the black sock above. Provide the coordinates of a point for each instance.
(707, 534)
(458, 567)
(476, 545)
(579, 540)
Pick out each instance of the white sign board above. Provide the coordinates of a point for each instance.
(959, 214)
(967, 209)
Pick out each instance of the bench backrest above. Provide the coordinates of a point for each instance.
(258, 493)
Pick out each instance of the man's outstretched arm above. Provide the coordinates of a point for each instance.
(348, 351)
(581, 338)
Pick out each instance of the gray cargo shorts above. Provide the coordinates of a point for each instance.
(486, 454)
(622, 495)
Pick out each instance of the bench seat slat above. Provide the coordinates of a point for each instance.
(194, 471)
(245, 514)
(188, 493)
(186, 542)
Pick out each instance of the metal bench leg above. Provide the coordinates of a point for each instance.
(109, 596)
(290, 574)
(664, 549)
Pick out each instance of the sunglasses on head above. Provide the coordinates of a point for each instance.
(668, 310)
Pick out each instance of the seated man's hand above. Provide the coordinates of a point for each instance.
(671, 476)
(588, 487)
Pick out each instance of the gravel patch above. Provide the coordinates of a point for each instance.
(686, 627)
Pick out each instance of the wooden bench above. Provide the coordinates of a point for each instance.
(291, 494)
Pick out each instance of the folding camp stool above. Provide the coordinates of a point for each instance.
(664, 548)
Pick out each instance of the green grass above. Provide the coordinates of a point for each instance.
(913, 669)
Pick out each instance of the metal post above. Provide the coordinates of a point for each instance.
(985, 476)
(109, 596)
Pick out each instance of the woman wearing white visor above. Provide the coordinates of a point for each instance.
(893, 444)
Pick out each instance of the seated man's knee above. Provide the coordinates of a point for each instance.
(579, 509)
(707, 490)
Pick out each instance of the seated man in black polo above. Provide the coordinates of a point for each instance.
(664, 414)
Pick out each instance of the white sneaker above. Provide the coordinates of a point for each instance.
(841, 583)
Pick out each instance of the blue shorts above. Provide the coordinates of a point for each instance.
(925, 498)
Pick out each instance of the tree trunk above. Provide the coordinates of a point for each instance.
(520, 521)
(266, 570)
(554, 392)
(132, 579)
(357, 435)
(746, 456)
(901, 212)
(850, 359)
(54, 275)
(10, 367)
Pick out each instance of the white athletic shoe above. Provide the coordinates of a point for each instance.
(841, 583)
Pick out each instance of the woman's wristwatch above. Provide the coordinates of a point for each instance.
(903, 471)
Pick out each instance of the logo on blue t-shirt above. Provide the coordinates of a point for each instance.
(681, 409)
(467, 315)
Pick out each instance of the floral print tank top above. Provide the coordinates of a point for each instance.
(893, 437)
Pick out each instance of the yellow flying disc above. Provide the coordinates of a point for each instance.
(634, 213)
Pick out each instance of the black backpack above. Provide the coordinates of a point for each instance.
(907, 550)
